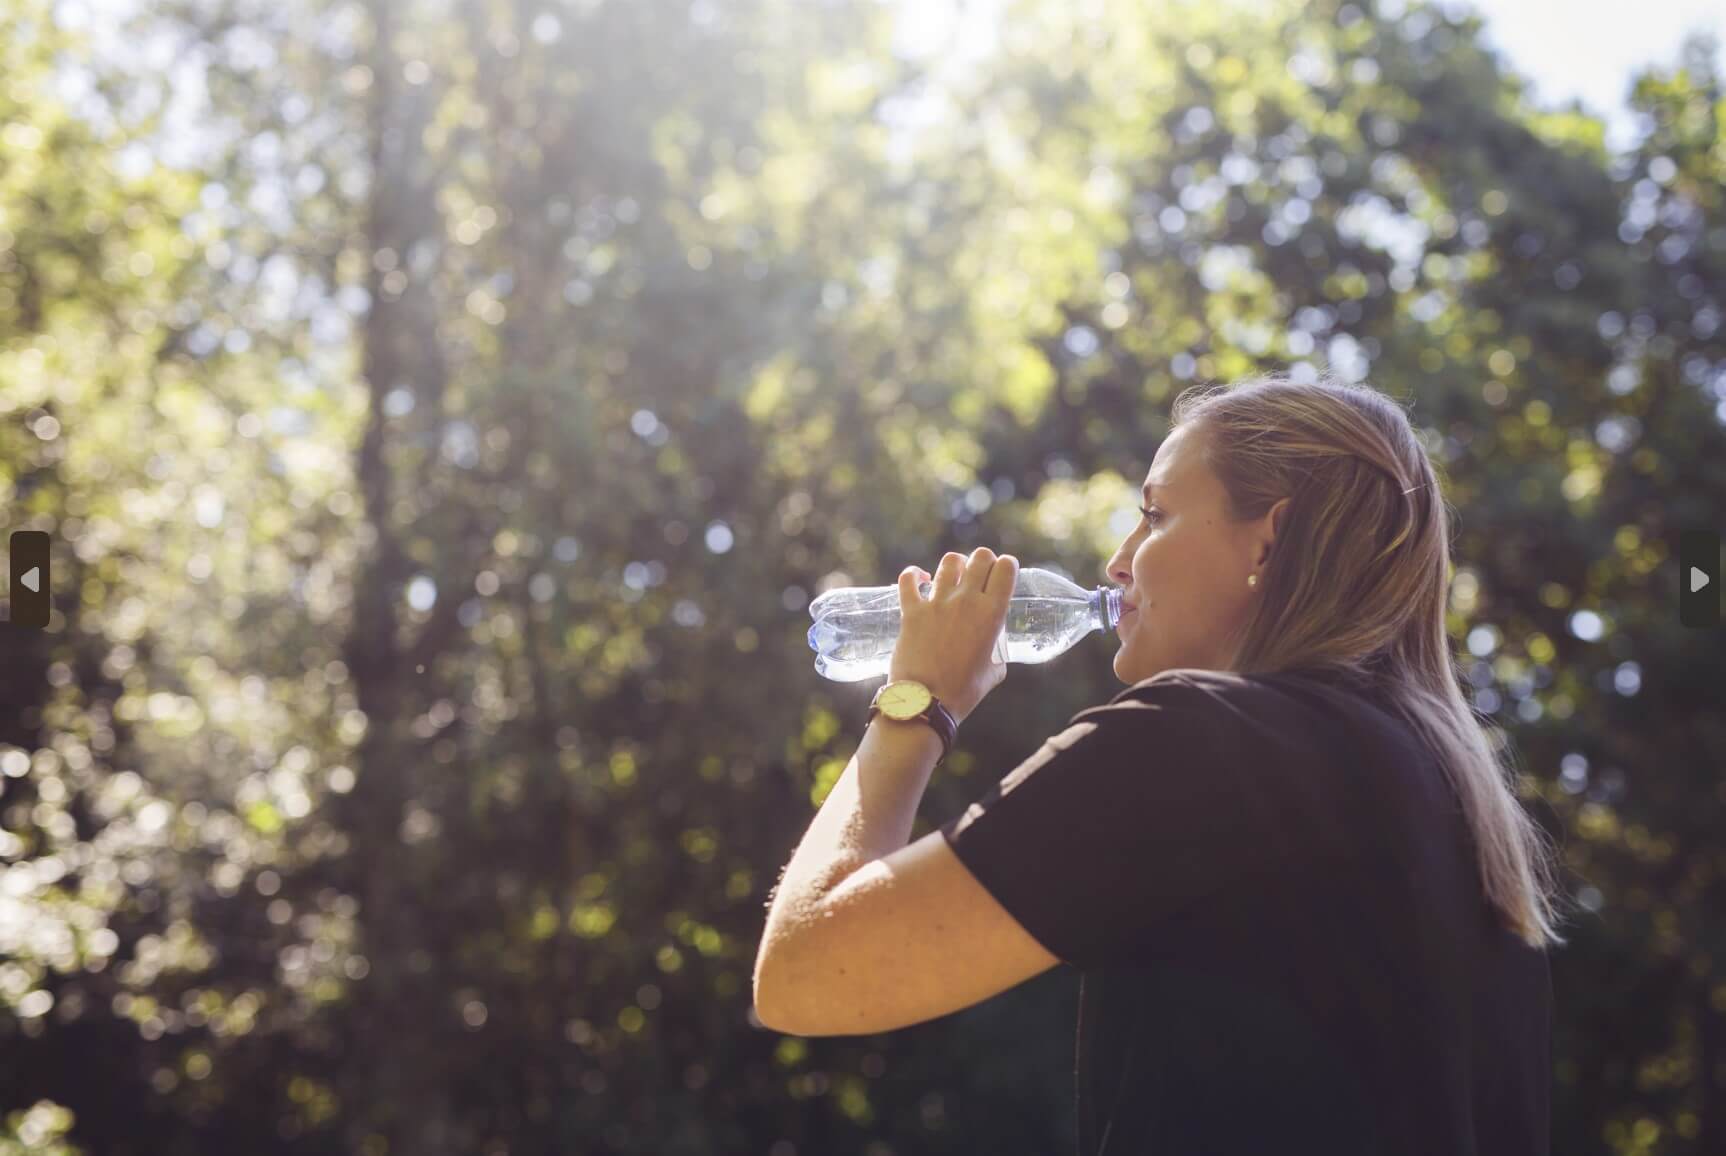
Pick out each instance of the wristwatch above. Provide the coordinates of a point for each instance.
(908, 700)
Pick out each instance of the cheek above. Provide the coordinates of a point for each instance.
(1167, 574)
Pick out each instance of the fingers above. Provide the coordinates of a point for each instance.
(1003, 576)
(977, 570)
(982, 573)
(910, 578)
(948, 573)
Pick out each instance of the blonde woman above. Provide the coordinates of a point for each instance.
(1306, 906)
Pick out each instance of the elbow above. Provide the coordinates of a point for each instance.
(765, 1007)
(768, 1008)
(783, 1006)
(804, 1014)
(793, 994)
(769, 1018)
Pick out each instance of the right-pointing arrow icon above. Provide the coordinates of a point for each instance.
(1699, 588)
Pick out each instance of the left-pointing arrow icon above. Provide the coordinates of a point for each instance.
(31, 567)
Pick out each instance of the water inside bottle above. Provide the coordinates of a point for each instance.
(858, 643)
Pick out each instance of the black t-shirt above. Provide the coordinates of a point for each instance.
(1268, 887)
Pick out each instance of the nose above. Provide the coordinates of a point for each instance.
(1117, 573)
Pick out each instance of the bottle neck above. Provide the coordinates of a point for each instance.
(1106, 607)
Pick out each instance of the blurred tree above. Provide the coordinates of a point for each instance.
(137, 730)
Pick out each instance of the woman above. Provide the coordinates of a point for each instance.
(1308, 910)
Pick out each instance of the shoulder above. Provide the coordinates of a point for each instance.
(1296, 710)
(1173, 709)
(1310, 688)
(1194, 692)
(1178, 709)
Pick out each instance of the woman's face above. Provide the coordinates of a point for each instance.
(1185, 569)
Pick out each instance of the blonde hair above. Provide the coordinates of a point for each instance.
(1357, 582)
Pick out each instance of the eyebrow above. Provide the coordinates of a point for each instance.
(1148, 486)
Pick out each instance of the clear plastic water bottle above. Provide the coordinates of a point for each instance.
(856, 627)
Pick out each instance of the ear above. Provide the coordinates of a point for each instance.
(1269, 526)
(1277, 513)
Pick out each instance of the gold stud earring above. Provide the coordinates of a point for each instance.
(1252, 579)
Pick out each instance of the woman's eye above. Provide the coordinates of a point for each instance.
(1152, 517)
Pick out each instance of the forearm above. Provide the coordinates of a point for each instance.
(867, 815)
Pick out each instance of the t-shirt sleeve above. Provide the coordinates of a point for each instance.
(1161, 799)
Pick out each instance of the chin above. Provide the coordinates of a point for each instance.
(1133, 667)
(1127, 670)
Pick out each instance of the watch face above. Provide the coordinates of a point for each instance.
(905, 700)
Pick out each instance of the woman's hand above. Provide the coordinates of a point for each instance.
(947, 641)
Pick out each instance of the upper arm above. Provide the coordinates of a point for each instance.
(904, 939)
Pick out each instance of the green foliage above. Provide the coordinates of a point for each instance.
(442, 460)
(39, 1130)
